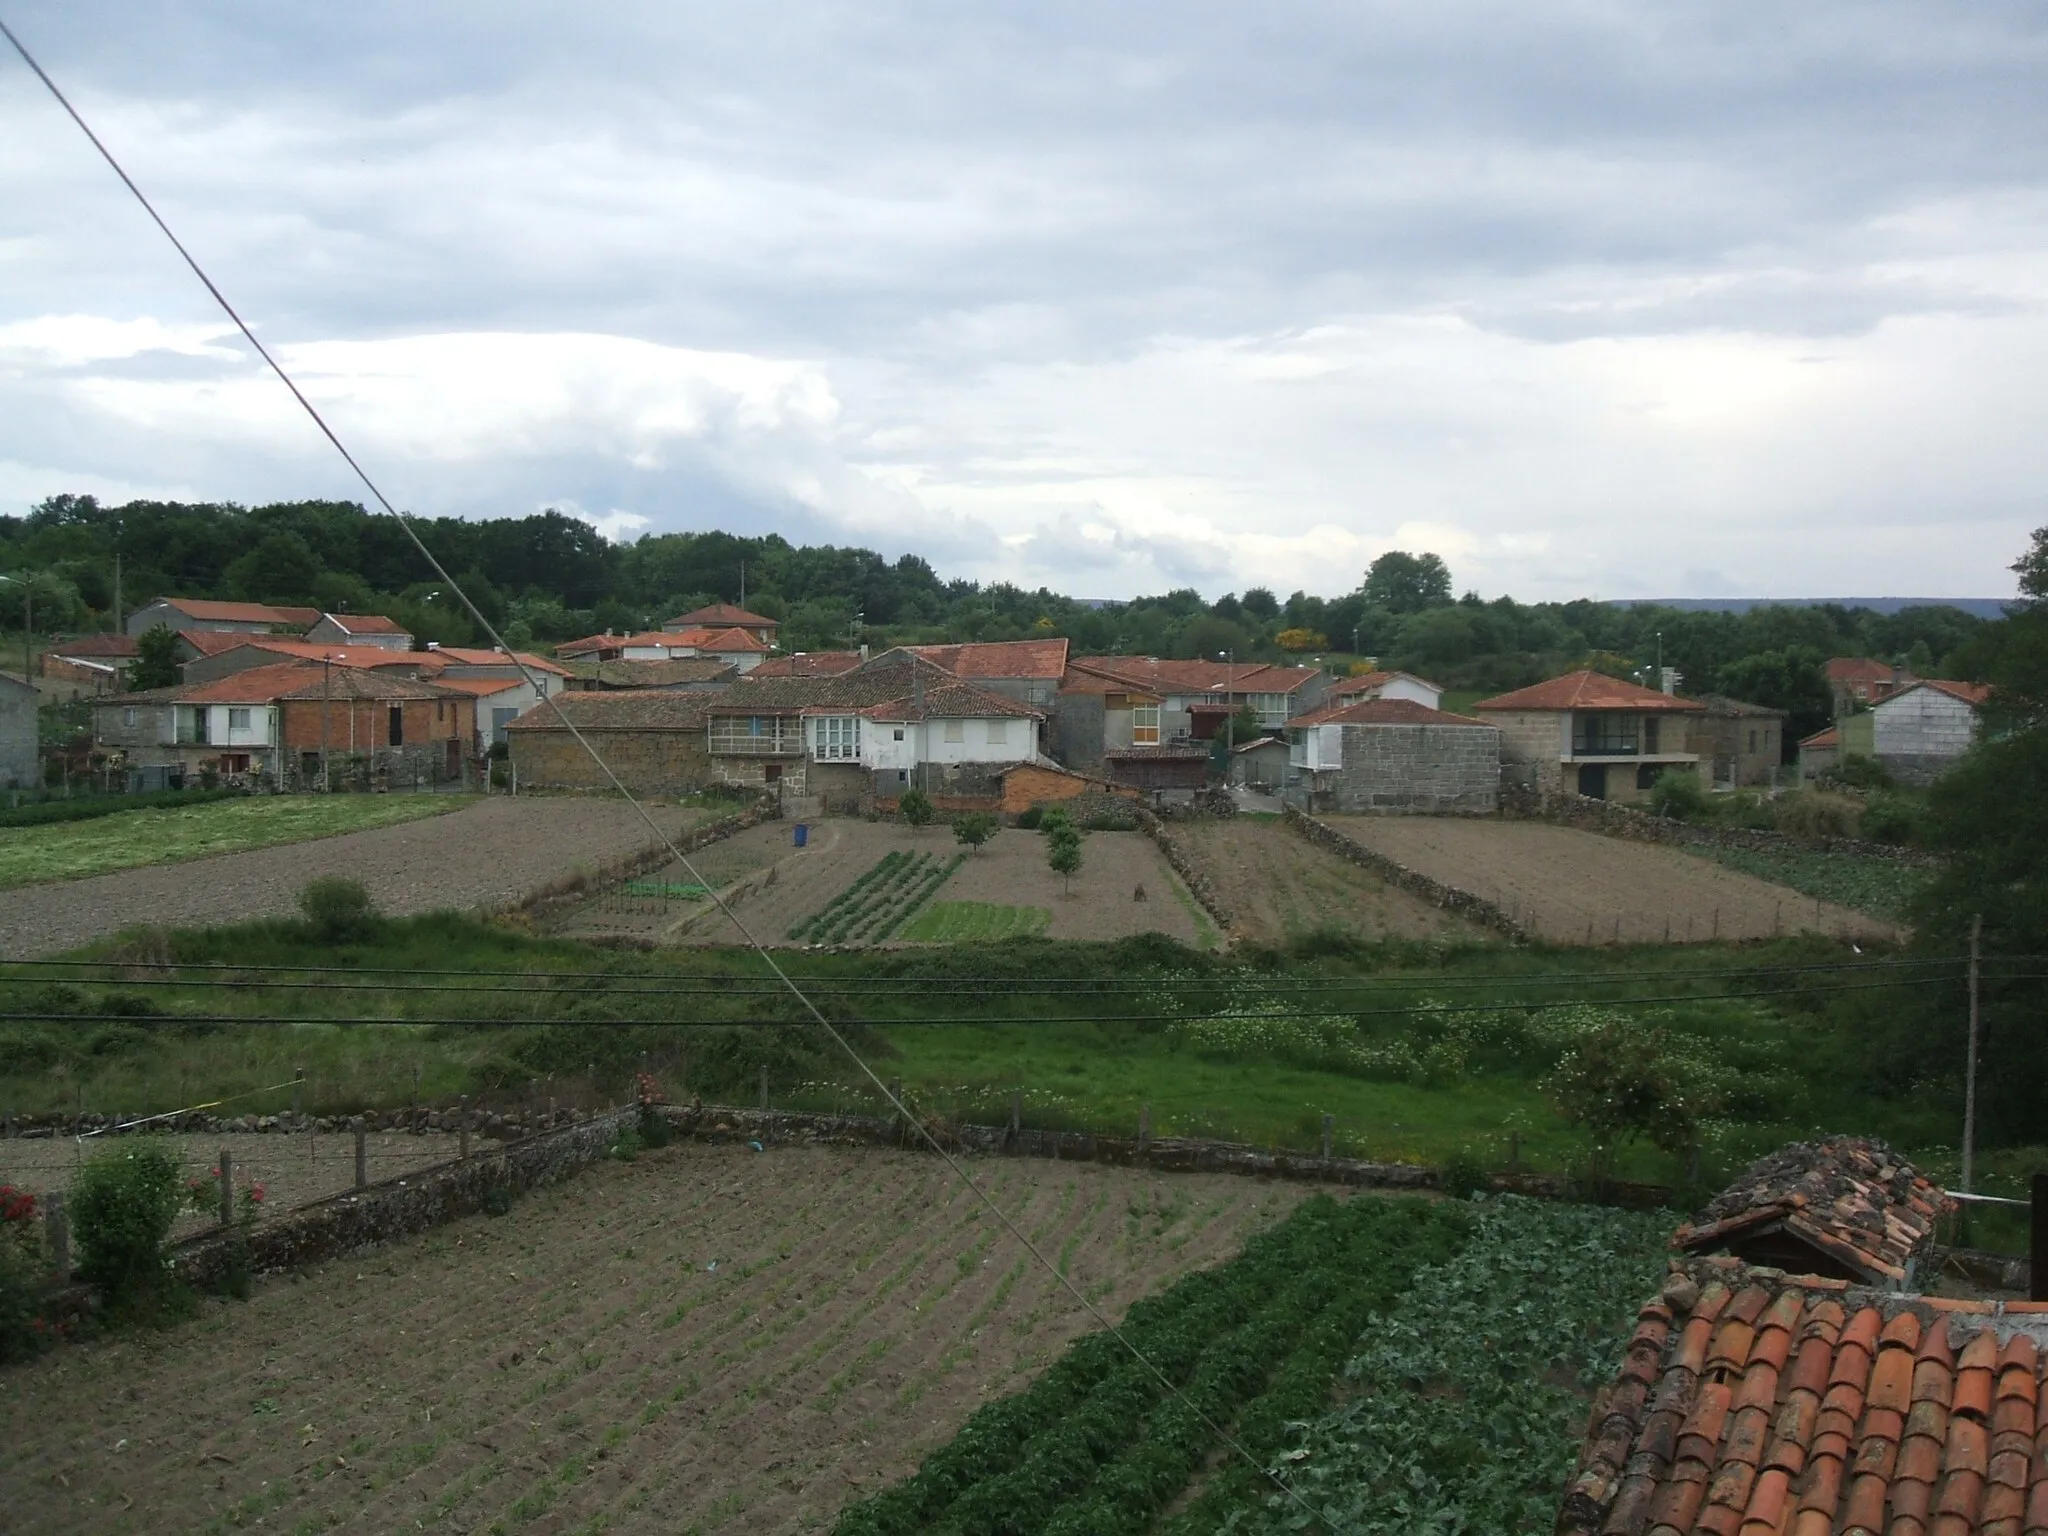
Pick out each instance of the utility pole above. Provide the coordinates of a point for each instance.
(326, 700)
(1970, 1083)
(120, 618)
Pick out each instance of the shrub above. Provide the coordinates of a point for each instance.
(24, 1276)
(1111, 821)
(338, 909)
(975, 828)
(1052, 820)
(915, 807)
(1892, 818)
(1029, 819)
(1813, 814)
(123, 1203)
(1677, 795)
(1860, 773)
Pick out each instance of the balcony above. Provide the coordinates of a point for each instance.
(756, 736)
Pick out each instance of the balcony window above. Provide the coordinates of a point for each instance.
(836, 738)
(1604, 735)
(1145, 725)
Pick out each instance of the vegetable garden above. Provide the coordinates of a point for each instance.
(875, 905)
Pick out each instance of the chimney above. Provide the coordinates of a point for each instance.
(1898, 675)
(863, 650)
(433, 645)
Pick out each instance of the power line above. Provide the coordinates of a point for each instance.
(551, 702)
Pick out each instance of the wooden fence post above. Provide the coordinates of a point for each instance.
(227, 1187)
(362, 1157)
(462, 1124)
(1329, 1124)
(57, 1233)
(1144, 1126)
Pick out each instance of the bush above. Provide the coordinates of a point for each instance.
(915, 807)
(1813, 814)
(1677, 795)
(1893, 818)
(1028, 820)
(1860, 773)
(338, 909)
(975, 828)
(1052, 819)
(123, 1204)
(24, 1276)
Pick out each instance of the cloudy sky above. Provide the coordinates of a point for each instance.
(1591, 298)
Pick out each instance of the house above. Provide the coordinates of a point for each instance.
(86, 664)
(727, 616)
(20, 750)
(206, 616)
(1386, 685)
(1846, 1207)
(1028, 671)
(703, 673)
(218, 656)
(1857, 682)
(1742, 744)
(1392, 755)
(896, 721)
(1171, 769)
(652, 738)
(498, 702)
(1121, 705)
(284, 720)
(810, 664)
(1589, 734)
(1260, 764)
(360, 629)
(1820, 753)
(1917, 731)
(734, 646)
(477, 661)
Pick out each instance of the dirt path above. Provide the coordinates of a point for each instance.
(706, 1339)
(1573, 887)
(497, 851)
(1278, 885)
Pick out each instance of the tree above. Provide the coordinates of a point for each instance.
(1403, 583)
(156, 660)
(282, 568)
(915, 807)
(1063, 853)
(1624, 1082)
(2032, 568)
(1260, 603)
(975, 828)
(1302, 640)
(1793, 679)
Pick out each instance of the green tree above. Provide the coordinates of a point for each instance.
(915, 807)
(1063, 853)
(1793, 679)
(2032, 568)
(975, 828)
(1403, 583)
(123, 1204)
(1260, 603)
(282, 568)
(1624, 1082)
(156, 660)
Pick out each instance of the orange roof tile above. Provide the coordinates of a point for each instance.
(242, 613)
(479, 686)
(1150, 674)
(808, 664)
(1859, 669)
(1831, 737)
(340, 655)
(720, 616)
(1041, 659)
(366, 624)
(1970, 693)
(478, 656)
(1372, 682)
(1385, 712)
(1585, 690)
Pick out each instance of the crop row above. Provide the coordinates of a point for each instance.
(1098, 1445)
(871, 908)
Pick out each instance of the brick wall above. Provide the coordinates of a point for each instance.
(1026, 786)
(1418, 769)
(647, 762)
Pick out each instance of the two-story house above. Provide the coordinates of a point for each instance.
(1589, 734)
(1114, 714)
(360, 629)
(204, 615)
(727, 616)
(1919, 730)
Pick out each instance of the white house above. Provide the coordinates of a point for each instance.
(499, 701)
(360, 629)
(1386, 685)
(1918, 732)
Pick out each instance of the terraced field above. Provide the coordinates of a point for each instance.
(705, 1339)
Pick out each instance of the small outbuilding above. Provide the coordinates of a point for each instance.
(1392, 755)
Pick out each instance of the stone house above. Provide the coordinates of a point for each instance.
(360, 629)
(728, 616)
(1918, 732)
(1589, 734)
(1261, 765)
(653, 739)
(203, 615)
(1392, 756)
(85, 665)
(1741, 744)
(20, 750)
(1119, 706)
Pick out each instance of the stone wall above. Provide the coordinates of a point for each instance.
(1430, 770)
(1611, 820)
(1413, 881)
(576, 887)
(647, 762)
(1532, 740)
(1076, 729)
(1155, 827)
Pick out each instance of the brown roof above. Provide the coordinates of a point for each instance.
(1852, 1205)
(340, 655)
(1369, 681)
(1973, 694)
(1043, 659)
(288, 680)
(725, 640)
(1151, 674)
(243, 613)
(808, 664)
(366, 624)
(1585, 690)
(482, 656)
(1722, 707)
(721, 616)
(1385, 712)
(650, 674)
(1859, 669)
(479, 687)
(96, 646)
(637, 709)
(357, 683)
(951, 701)
(1831, 737)
(879, 680)
(1750, 1402)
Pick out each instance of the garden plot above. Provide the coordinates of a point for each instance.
(707, 1338)
(1573, 887)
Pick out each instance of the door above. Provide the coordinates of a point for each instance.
(397, 729)
(1593, 780)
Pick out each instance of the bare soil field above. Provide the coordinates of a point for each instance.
(1573, 887)
(293, 1170)
(706, 1339)
(773, 885)
(1278, 886)
(494, 852)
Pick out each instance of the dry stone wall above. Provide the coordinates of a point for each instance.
(1413, 881)
(1611, 820)
(1176, 856)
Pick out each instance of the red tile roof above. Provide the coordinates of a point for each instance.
(1585, 690)
(480, 687)
(727, 641)
(1042, 659)
(479, 656)
(1385, 712)
(297, 680)
(1859, 669)
(95, 646)
(366, 624)
(1150, 674)
(340, 655)
(242, 613)
(1845, 1206)
(1831, 737)
(949, 701)
(1371, 682)
(633, 709)
(721, 616)
(808, 664)
(359, 683)
(1973, 694)
(1752, 1403)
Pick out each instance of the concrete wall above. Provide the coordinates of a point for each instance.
(647, 762)
(1417, 769)
(1077, 731)
(1920, 733)
(20, 757)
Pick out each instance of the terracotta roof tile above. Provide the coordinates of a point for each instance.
(1586, 690)
(1151, 675)
(207, 610)
(1384, 712)
(1040, 660)
(720, 615)
(366, 624)
(635, 709)
(808, 664)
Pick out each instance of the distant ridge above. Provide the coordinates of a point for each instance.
(1981, 607)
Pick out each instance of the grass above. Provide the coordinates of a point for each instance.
(951, 922)
(72, 850)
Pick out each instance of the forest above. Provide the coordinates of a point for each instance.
(548, 577)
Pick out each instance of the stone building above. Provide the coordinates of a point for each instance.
(20, 759)
(654, 740)
(1918, 732)
(1740, 744)
(1589, 734)
(1382, 756)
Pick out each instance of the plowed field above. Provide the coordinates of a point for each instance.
(706, 1339)
(1573, 887)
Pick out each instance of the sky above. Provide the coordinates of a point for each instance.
(1592, 299)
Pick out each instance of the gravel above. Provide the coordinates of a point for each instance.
(485, 855)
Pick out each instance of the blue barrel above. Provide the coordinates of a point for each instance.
(803, 834)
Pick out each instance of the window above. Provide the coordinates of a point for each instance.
(998, 733)
(1650, 733)
(836, 738)
(234, 762)
(897, 733)
(1603, 735)
(397, 725)
(1145, 725)
(128, 715)
(1752, 741)
(238, 719)
(956, 730)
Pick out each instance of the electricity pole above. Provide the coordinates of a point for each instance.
(1970, 1082)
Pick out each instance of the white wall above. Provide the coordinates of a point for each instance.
(261, 730)
(1923, 722)
(925, 742)
(1411, 688)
